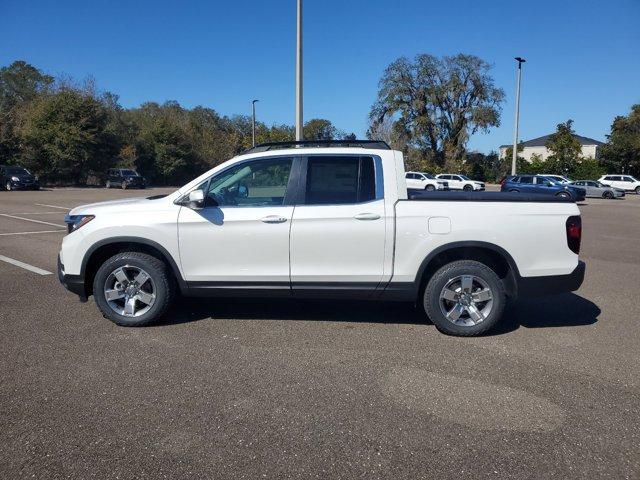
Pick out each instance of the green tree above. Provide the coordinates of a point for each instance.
(565, 149)
(65, 136)
(20, 83)
(319, 129)
(439, 103)
(621, 153)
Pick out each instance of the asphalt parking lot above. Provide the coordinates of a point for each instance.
(281, 389)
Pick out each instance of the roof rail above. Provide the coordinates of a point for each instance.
(265, 147)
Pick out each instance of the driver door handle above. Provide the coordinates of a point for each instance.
(273, 219)
(367, 216)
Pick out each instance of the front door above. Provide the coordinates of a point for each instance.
(338, 230)
(242, 233)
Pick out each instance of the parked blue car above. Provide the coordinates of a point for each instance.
(541, 184)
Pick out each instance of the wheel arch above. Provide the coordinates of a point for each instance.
(105, 249)
(494, 256)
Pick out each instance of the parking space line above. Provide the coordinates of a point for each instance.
(29, 233)
(52, 206)
(36, 213)
(32, 220)
(26, 266)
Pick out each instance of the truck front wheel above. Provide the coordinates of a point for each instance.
(133, 289)
(464, 298)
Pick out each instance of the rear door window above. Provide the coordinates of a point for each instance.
(340, 180)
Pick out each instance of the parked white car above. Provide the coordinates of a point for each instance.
(321, 219)
(461, 182)
(623, 182)
(557, 178)
(425, 181)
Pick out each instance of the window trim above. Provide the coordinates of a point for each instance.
(377, 171)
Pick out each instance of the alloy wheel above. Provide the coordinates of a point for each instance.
(466, 300)
(129, 291)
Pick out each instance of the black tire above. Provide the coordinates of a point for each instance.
(8, 187)
(563, 195)
(637, 190)
(513, 190)
(108, 185)
(163, 282)
(449, 272)
(123, 185)
(429, 188)
(467, 188)
(608, 195)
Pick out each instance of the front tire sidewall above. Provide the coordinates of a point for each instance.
(430, 188)
(8, 186)
(431, 297)
(468, 188)
(158, 272)
(637, 190)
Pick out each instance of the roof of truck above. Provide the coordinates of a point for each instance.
(368, 144)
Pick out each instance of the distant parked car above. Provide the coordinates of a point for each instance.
(461, 182)
(18, 178)
(557, 178)
(623, 182)
(599, 190)
(542, 185)
(124, 178)
(425, 181)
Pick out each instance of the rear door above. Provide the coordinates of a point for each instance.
(526, 184)
(338, 227)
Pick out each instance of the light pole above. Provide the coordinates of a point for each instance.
(299, 134)
(520, 61)
(253, 123)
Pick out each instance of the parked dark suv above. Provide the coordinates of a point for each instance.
(124, 178)
(18, 178)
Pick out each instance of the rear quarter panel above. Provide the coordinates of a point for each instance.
(534, 234)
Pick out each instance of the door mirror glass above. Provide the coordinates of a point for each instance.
(196, 199)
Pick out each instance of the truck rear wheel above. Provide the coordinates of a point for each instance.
(464, 298)
(133, 289)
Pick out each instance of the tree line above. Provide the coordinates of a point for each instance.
(68, 132)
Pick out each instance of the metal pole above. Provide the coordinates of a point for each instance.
(299, 134)
(515, 133)
(253, 123)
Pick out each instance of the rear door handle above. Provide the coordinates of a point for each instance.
(273, 219)
(367, 216)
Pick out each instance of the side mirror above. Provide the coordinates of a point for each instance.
(196, 199)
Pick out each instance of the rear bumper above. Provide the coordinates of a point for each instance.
(546, 285)
(73, 283)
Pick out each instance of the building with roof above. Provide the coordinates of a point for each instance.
(537, 146)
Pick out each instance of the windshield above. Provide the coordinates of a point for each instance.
(129, 173)
(429, 176)
(17, 171)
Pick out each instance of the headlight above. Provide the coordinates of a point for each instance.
(15, 179)
(74, 222)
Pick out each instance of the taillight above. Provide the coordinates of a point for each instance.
(574, 233)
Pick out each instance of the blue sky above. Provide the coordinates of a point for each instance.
(583, 57)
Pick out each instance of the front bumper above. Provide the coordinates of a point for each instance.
(24, 185)
(551, 284)
(73, 283)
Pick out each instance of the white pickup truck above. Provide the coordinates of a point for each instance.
(322, 219)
